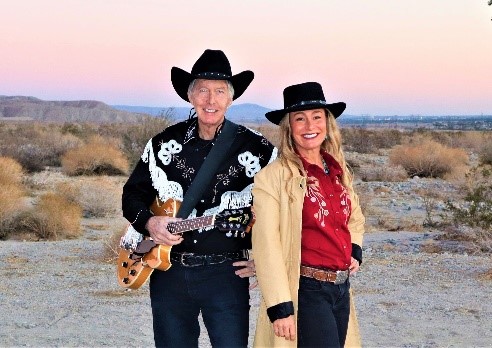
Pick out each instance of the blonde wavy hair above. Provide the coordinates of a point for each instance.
(332, 145)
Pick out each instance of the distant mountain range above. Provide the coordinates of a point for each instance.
(30, 108)
(242, 113)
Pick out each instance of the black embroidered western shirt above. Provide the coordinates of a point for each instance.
(168, 166)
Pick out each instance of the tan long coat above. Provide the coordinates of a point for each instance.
(276, 240)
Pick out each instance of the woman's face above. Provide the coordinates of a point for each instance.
(308, 130)
(210, 98)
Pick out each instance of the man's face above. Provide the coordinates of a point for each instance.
(210, 98)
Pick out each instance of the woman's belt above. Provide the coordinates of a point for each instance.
(337, 277)
(194, 260)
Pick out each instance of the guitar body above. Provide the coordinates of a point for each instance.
(133, 273)
(136, 263)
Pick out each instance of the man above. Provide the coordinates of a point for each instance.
(210, 268)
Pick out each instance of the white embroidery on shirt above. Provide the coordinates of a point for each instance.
(344, 201)
(316, 197)
(250, 162)
(167, 151)
(231, 200)
(166, 188)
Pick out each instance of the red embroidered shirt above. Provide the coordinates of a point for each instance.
(326, 241)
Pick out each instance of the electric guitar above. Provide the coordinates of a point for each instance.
(136, 264)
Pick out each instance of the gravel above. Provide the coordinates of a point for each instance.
(60, 293)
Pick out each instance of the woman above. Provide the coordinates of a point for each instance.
(308, 232)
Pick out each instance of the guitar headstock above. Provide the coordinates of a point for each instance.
(235, 220)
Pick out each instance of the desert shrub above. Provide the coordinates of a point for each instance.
(134, 137)
(53, 218)
(69, 190)
(472, 240)
(99, 156)
(476, 211)
(269, 131)
(370, 140)
(485, 153)
(383, 173)
(36, 146)
(11, 171)
(11, 194)
(427, 159)
(112, 243)
(98, 197)
(470, 141)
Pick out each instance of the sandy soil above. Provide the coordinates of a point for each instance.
(57, 294)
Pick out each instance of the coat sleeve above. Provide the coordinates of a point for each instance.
(356, 225)
(138, 194)
(267, 242)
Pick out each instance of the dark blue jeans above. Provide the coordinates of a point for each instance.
(180, 293)
(323, 315)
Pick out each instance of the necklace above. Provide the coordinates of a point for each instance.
(202, 144)
(325, 166)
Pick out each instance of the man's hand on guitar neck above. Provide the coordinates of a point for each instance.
(157, 227)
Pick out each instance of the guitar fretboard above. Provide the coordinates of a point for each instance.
(191, 224)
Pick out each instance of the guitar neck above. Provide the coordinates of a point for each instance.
(190, 224)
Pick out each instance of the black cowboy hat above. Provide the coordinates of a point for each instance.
(212, 65)
(304, 96)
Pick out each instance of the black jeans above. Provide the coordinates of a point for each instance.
(180, 293)
(323, 315)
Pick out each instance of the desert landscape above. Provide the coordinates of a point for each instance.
(425, 280)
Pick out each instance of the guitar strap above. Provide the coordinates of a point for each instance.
(208, 169)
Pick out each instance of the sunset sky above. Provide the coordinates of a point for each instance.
(382, 57)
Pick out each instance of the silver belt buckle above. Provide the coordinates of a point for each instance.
(182, 259)
(341, 277)
(245, 253)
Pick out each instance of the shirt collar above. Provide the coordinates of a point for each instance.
(332, 164)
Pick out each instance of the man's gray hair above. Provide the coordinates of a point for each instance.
(229, 87)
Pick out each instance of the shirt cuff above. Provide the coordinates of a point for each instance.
(280, 311)
(141, 221)
(357, 253)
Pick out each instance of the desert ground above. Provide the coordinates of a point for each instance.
(60, 294)
(411, 290)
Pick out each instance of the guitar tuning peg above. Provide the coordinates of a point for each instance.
(229, 234)
(243, 234)
(235, 235)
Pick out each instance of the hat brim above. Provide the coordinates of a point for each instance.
(277, 115)
(181, 81)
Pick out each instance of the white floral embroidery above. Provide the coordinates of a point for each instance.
(316, 197)
(231, 200)
(167, 151)
(165, 188)
(345, 201)
(130, 239)
(250, 162)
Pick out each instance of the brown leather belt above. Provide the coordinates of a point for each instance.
(337, 277)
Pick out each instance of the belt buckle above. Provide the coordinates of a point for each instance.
(245, 254)
(341, 277)
(182, 259)
(216, 259)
